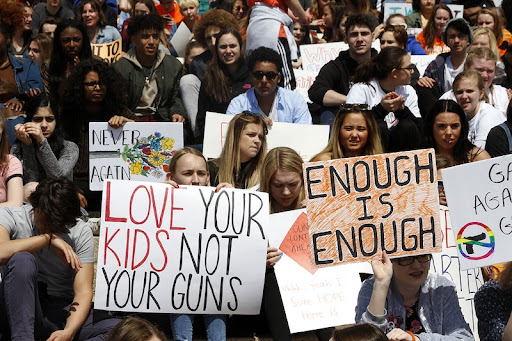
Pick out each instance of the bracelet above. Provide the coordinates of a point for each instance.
(412, 335)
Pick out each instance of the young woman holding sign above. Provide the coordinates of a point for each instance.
(409, 304)
(41, 147)
(354, 133)
(445, 130)
(281, 178)
(188, 167)
(244, 148)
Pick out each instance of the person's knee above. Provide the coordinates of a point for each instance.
(189, 82)
(22, 265)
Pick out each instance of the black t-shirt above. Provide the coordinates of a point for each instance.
(497, 141)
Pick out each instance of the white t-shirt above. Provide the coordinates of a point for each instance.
(372, 93)
(450, 73)
(498, 98)
(485, 119)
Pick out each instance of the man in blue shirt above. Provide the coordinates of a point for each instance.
(274, 103)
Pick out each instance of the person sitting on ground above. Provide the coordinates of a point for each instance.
(274, 103)
(153, 76)
(47, 258)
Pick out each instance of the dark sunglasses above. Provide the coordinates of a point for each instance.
(271, 75)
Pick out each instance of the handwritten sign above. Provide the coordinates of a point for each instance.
(109, 52)
(313, 298)
(447, 264)
(307, 140)
(138, 151)
(360, 206)
(182, 250)
(314, 56)
(304, 81)
(479, 195)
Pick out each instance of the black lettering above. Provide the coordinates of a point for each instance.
(194, 263)
(310, 182)
(316, 250)
(365, 211)
(367, 176)
(413, 237)
(376, 174)
(394, 238)
(109, 282)
(352, 249)
(406, 172)
(429, 166)
(222, 193)
(333, 173)
(233, 308)
(361, 242)
(218, 303)
(383, 202)
(423, 232)
(251, 216)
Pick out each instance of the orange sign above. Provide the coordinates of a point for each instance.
(359, 206)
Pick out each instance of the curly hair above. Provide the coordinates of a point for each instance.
(264, 54)
(216, 81)
(215, 17)
(73, 113)
(12, 15)
(96, 6)
(56, 202)
(145, 22)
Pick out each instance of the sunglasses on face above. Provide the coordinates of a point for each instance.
(271, 75)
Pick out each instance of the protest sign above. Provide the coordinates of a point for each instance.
(180, 39)
(447, 263)
(314, 56)
(138, 151)
(304, 81)
(480, 199)
(422, 61)
(305, 139)
(181, 250)
(109, 52)
(361, 206)
(313, 298)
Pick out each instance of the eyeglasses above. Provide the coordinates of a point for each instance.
(271, 75)
(94, 84)
(404, 261)
(409, 68)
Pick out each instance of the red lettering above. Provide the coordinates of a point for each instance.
(447, 229)
(127, 248)
(137, 231)
(157, 220)
(107, 242)
(163, 250)
(173, 208)
(108, 218)
(131, 205)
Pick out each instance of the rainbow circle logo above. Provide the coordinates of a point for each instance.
(491, 244)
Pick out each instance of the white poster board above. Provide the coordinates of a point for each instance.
(139, 151)
(306, 139)
(180, 39)
(181, 250)
(312, 298)
(422, 61)
(304, 81)
(480, 200)
(447, 263)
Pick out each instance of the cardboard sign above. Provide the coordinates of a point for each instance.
(307, 140)
(422, 61)
(304, 81)
(138, 151)
(181, 250)
(109, 52)
(447, 264)
(358, 207)
(313, 298)
(479, 195)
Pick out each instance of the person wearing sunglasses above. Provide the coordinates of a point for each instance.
(382, 83)
(266, 98)
(410, 304)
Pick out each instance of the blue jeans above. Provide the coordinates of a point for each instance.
(182, 326)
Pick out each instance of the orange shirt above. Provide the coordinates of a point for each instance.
(437, 48)
(175, 14)
(507, 36)
(271, 3)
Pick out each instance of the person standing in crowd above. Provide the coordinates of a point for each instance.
(430, 38)
(91, 15)
(245, 146)
(446, 129)
(354, 133)
(153, 77)
(47, 258)
(70, 47)
(266, 98)
(51, 8)
(383, 84)
(411, 307)
(40, 145)
(469, 90)
(332, 84)
(226, 76)
(441, 72)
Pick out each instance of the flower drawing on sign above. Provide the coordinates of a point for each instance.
(150, 156)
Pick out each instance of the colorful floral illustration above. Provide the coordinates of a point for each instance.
(150, 156)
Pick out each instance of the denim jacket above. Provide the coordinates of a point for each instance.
(26, 74)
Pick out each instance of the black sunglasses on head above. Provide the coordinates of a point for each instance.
(271, 75)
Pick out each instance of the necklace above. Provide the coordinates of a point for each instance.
(148, 73)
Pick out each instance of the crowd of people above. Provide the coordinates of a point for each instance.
(240, 61)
